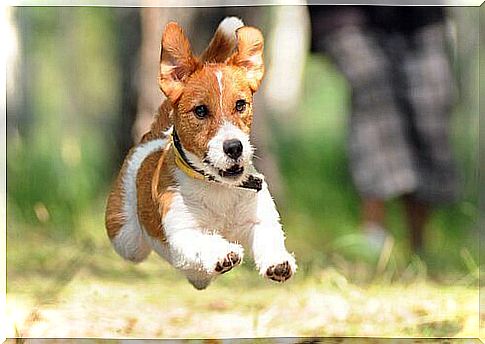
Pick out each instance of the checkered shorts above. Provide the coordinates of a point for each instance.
(402, 93)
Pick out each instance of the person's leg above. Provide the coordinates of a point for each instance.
(380, 159)
(373, 211)
(428, 91)
(417, 216)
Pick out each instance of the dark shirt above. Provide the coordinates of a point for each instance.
(386, 19)
(402, 19)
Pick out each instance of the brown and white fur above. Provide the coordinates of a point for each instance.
(198, 226)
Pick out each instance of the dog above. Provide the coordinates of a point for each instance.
(189, 190)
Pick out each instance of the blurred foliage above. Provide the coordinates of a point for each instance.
(60, 163)
(57, 160)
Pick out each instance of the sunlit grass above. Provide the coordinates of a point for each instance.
(80, 287)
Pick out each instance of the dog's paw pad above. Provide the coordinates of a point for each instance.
(228, 262)
(280, 272)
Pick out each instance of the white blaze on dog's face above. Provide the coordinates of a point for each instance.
(213, 102)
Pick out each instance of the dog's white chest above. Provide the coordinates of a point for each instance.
(218, 208)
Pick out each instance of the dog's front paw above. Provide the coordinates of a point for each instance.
(279, 272)
(224, 258)
(228, 262)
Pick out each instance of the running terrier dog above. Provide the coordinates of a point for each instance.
(189, 190)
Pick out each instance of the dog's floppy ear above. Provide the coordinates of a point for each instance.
(249, 55)
(177, 62)
(224, 41)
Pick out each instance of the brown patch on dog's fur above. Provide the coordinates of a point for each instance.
(152, 181)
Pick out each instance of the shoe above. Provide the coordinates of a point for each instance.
(375, 235)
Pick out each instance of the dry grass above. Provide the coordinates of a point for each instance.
(86, 290)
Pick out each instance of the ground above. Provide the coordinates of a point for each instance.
(92, 292)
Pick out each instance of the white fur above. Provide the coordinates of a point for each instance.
(219, 160)
(215, 151)
(229, 26)
(192, 249)
(206, 221)
(129, 242)
(221, 87)
(266, 237)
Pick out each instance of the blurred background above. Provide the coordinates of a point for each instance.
(82, 89)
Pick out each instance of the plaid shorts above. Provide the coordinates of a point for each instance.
(402, 94)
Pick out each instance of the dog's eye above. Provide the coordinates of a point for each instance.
(241, 105)
(201, 111)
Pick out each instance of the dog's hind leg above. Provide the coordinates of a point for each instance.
(123, 227)
(199, 279)
(129, 242)
(121, 219)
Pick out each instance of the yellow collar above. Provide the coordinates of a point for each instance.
(181, 160)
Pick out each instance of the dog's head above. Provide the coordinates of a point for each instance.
(212, 96)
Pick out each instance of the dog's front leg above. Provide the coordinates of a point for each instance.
(267, 241)
(199, 254)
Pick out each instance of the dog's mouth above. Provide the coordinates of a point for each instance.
(232, 172)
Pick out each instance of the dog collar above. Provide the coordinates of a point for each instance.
(181, 159)
(253, 182)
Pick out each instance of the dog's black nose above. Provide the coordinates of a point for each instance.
(233, 148)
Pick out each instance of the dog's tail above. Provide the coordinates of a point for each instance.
(224, 41)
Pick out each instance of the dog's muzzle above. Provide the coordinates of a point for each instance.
(253, 180)
(234, 171)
